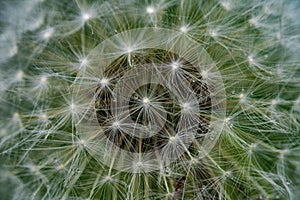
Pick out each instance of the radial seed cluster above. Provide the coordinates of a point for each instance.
(161, 99)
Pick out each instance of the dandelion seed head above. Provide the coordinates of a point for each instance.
(156, 80)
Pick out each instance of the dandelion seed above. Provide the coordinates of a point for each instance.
(226, 5)
(266, 10)
(34, 169)
(193, 161)
(297, 102)
(175, 65)
(282, 153)
(204, 74)
(82, 142)
(107, 178)
(278, 36)
(61, 167)
(186, 106)
(150, 9)
(227, 173)
(183, 29)
(146, 101)
(86, 16)
(72, 106)
(250, 59)
(43, 117)
(168, 195)
(129, 49)
(213, 33)
(172, 139)
(83, 62)
(104, 82)
(242, 98)
(253, 22)
(252, 147)
(139, 164)
(13, 51)
(3, 132)
(47, 34)
(19, 75)
(16, 117)
(43, 80)
(116, 125)
(274, 102)
(227, 120)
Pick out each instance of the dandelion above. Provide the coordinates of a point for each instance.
(149, 100)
